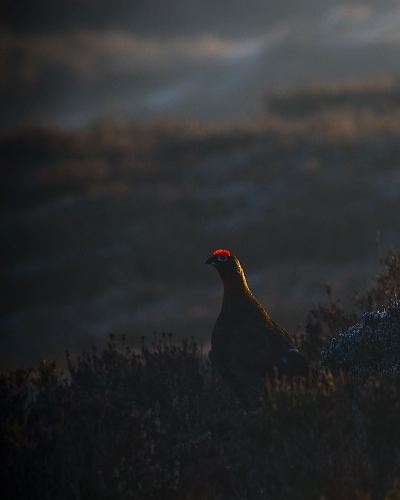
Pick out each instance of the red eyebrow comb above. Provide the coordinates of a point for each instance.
(220, 251)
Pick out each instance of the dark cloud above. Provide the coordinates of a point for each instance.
(122, 61)
(159, 17)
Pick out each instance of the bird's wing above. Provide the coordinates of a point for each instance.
(248, 350)
(288, 359)
(277, 334)
(279, 330)
(242, 360)
(279, 340)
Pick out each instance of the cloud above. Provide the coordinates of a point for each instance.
(72, 77)
(89, 54)
(105, 72)
(361, 24)
(93, 54)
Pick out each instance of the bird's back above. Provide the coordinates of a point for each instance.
(247, 345)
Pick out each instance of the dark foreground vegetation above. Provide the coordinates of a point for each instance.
(158, 423)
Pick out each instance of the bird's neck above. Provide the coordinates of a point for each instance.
(235, 284)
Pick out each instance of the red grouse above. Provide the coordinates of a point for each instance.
(246, 344)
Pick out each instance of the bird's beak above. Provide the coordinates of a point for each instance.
(209, 261)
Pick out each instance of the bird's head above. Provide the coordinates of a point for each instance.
(221, 259)
(228, 267)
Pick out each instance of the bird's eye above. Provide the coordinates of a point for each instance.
(222, 258)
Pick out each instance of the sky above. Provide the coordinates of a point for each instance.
(68, 63)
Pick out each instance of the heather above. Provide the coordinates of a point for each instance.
(156, 421)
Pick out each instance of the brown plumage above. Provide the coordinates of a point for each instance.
(246, 344)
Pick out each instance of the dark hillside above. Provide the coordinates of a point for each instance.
(104, 228)
(380, 95)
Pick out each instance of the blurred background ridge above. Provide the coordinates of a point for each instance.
(138, 138)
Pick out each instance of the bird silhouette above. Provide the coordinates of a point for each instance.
(246, 344)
